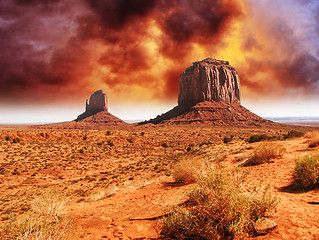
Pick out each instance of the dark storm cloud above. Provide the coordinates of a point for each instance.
(33, 33)
(185, 22)
(121, 24)
(45, 43)
(116, 14)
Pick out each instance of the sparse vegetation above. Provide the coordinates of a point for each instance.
(52, 204)
(84, 165)
(187, 170)
(164, 145)
(110, 143)
(103, 193)
(108, 133)
(16, 140)
(313, 139)
(38, 227)
(306, 173)
(264, 153)
(227, 139)
(293, 134)
(258, 138)
(48, 220)
(218, 207)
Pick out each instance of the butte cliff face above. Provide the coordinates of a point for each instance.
(209, 92)
(97, 102)
(96, 112)
(209, 80)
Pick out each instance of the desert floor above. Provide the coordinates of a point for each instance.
(116, 183)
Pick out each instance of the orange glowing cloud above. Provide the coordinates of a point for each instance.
(136, 49)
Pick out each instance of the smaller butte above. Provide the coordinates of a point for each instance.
(96, 111)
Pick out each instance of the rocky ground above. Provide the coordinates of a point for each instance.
(117, 182)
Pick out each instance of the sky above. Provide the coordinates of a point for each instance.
(56, 53)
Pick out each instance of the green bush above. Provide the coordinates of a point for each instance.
(306, 173)
(293, 134)
(218, 207)
(258, 138)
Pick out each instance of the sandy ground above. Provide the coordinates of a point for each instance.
(137, 162)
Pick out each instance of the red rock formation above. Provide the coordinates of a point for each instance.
(209, 93)
(208, 80)
(96, 112)
(97, 103)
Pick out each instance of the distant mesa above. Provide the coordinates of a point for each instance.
(96, 111)
(209, 92)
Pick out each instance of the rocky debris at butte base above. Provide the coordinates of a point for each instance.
(96, 111)
(209, 93)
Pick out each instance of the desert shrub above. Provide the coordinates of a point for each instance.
(164, 145)
(7, 138)
(187, 170)
(293, 134)
(85, 137)
(16, 140)
(264, 153)
(103, 193)
(227, 139)
(38, 227)
(130, 140)
(110, 143)
(306, 172)
(49, 220)
(218, 207)
(258, 138)
(51, 204)
(108, 133)
(313, 139)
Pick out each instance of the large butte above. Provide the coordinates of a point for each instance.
(209, 93)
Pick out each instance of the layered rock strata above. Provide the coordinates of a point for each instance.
(209, 80)
(209, 93)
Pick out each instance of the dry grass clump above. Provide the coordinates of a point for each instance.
(218, 207)
(313, 139)
(187, 170)
(39, 228)
(264, 153)
(103, 193)
(52, 204)
(306, 173)
(49, 220)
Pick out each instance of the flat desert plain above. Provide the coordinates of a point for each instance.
(119, 182)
